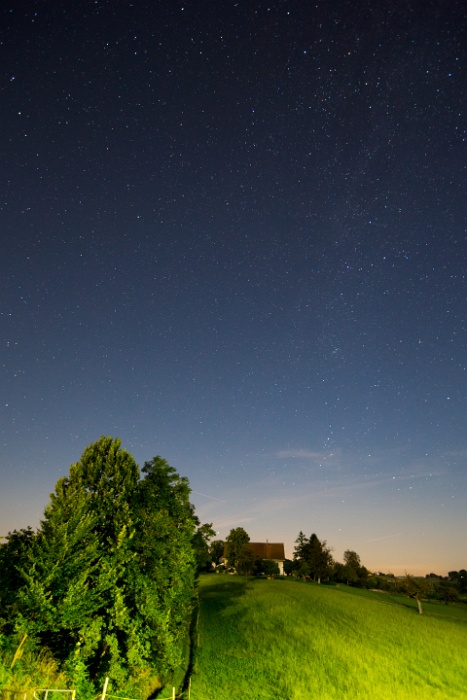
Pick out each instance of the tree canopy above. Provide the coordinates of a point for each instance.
(234, 545)
(312, 557)
(245, 562)
(107, 582)
(216, 550)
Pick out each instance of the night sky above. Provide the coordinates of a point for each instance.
(233, 234)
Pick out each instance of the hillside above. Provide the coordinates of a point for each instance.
(286, 640)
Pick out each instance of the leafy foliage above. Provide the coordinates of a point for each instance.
(13, 559)
(351, 572)
(107, 583)
(216, 551)
(245, 562)
(459, 579)
(201, 538)
(312, 558)
(234, 545)
(266, 567)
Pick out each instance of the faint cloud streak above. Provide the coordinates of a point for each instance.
(386, 537)
(212, 498)
(304, 454)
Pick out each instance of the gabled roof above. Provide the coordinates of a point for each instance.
(268, 550)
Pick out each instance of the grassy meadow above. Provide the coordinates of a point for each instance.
(287, 640)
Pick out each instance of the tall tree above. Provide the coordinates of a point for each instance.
(300, 545)
(320, 558)
(13, 560)
(352, 559)
(312, 557)
(110, 575)
(301, 565)
(418, 589)
(74, 600)
(352, 571)
(234, 542)
(167, 560)
(245, 562)
(201, 538)
(216, 550)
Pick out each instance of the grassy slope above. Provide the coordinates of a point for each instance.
(286, 640)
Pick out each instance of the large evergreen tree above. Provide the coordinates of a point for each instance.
(109, 577)
(312, 557)
(74, 600)
(320, 558)
(301, 565)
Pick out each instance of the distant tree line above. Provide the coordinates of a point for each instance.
(107, 583)
(313, 560)
(429, 588)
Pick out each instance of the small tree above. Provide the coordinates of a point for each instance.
(270, 568)
(419, 589)
(450, 594)
(288, 567)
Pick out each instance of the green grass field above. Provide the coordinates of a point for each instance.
(286, 640)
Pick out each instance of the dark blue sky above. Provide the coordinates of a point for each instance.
(233, 234)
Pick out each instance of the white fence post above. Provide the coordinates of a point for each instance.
(104, 689)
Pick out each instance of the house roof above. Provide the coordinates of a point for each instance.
(268, 550)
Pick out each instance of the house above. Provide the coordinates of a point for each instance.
(273, 551)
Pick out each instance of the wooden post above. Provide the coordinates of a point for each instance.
(104, 689)
(173, 692)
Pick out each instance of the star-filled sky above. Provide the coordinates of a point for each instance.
(232, 233)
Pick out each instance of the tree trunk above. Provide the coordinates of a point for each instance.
(419, 603)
